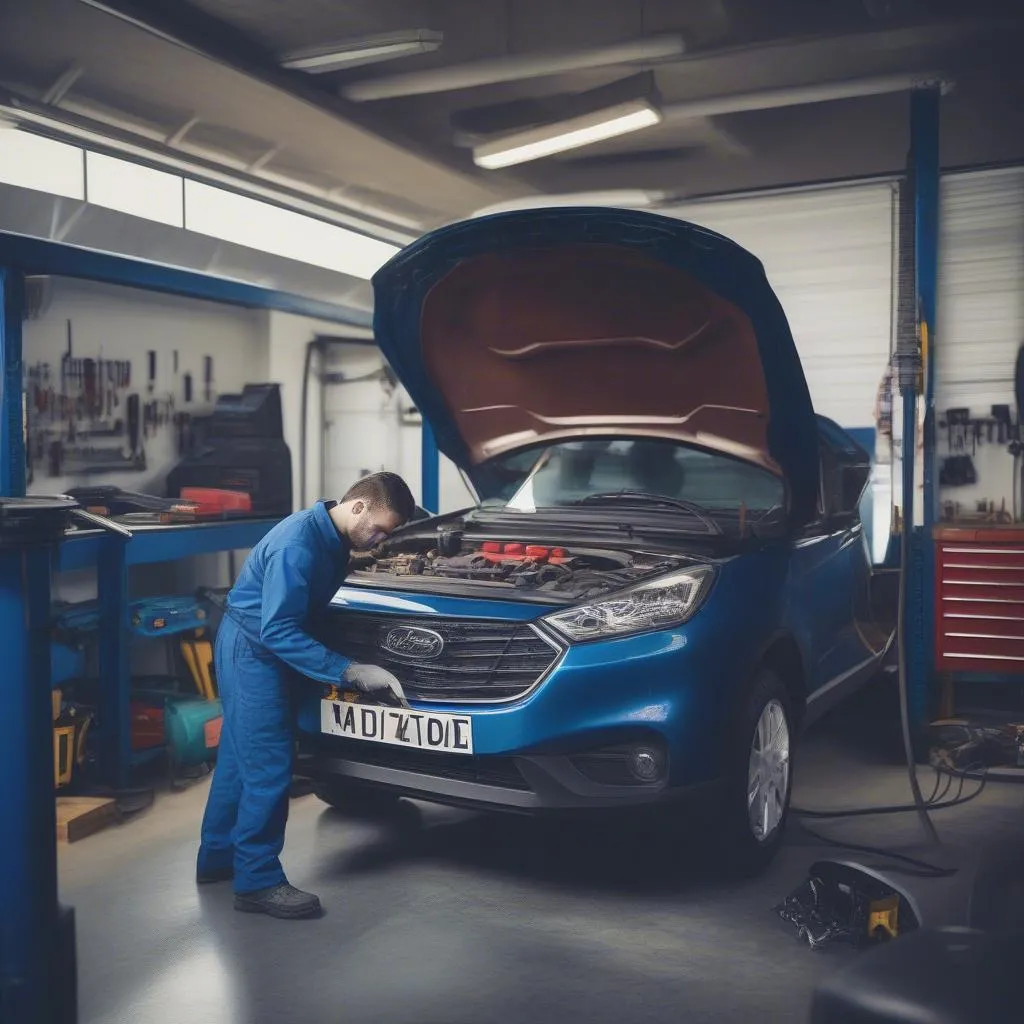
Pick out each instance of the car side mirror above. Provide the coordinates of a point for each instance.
(853, 480)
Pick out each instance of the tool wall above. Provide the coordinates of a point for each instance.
(114, 378)
(980, 331)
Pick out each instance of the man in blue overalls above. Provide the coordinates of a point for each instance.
(291, 574)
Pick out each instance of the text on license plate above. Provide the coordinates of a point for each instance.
(419, 729)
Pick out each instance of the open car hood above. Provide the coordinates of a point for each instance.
(548, 325)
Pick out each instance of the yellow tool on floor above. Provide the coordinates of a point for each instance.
(69, 732)
(198, 655)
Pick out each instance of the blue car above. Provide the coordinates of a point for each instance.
(665, 575)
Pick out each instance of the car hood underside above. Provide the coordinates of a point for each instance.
(536, 326)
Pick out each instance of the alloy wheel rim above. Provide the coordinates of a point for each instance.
(768, 772)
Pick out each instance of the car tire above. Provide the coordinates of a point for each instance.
(355, 801)
(760, 755)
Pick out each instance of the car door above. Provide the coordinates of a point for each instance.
(832, 570)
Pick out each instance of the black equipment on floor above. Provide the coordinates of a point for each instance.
(242, 449)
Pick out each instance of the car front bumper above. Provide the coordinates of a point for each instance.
(524, 784)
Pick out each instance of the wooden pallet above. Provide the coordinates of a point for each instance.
(81, 816)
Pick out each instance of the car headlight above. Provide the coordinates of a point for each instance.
(659, 604)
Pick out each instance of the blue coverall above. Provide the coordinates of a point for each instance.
(292, 572)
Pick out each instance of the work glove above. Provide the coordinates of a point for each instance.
(376, 682)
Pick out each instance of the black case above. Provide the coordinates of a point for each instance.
(241, 448)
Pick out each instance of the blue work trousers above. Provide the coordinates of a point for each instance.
(247, 807)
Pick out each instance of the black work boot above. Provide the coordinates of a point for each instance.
(282, 900)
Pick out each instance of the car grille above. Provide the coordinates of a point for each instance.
(480, 660)
(490, 770)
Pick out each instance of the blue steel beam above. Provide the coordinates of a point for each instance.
(924, 133)
(29, 969)
(39, 256)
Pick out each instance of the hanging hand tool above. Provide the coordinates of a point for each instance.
(207, 378)
(151, 385)
(133, 424)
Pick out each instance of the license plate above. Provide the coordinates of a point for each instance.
(421, 730)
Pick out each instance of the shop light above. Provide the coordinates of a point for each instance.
(354, 53)
(561, 136)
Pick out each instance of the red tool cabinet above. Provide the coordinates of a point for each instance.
(979, 599)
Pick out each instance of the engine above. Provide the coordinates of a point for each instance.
(563, 572)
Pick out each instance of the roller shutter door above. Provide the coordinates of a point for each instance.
(828, 253)
(980, 321)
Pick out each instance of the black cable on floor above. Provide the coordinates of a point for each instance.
(933, 803)
(926, 869)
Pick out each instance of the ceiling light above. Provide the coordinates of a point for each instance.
(546, 140)
(353, 53)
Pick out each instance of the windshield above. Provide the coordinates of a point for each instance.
(577, 471)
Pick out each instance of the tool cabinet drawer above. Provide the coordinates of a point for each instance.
(979, 601)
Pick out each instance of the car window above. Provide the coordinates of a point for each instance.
(845, 468)
(569, 472)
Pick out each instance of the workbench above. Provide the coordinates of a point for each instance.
(112, 556)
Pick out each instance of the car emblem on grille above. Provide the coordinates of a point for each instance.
(413, 642)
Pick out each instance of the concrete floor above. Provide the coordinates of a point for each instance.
(454, 918)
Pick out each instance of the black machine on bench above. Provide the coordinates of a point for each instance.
(241, 447)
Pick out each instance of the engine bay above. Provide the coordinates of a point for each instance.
(567, 572)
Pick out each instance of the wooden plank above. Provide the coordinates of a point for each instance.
(81, 816)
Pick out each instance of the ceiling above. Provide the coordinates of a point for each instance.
(210, 85)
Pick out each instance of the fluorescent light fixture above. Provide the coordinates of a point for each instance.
(546, 140)
(353, 53)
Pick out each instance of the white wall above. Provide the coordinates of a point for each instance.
(828, 254)
(367, 432)
(115, 323)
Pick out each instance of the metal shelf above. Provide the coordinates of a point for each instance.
(151, 544)
(112, 556)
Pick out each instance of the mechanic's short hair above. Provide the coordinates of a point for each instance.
(384, 490)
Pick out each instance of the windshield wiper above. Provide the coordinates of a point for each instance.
(657, 499)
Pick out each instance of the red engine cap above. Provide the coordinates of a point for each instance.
(536, 551)
(513, 549)
(490, 545)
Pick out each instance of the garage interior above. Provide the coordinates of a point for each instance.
(194, 199)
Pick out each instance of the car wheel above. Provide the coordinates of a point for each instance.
(760, 775)
(355, 801)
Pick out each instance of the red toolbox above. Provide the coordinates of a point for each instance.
(979, 599)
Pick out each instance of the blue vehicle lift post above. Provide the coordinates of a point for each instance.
(920, 588)
(29, 988)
